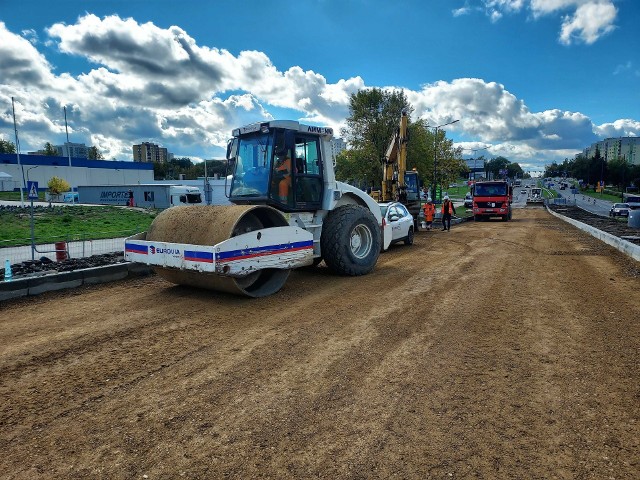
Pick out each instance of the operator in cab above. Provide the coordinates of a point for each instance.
(283, 176)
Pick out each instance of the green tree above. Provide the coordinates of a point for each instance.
(50, 150)
(449, 160)
(495, 165)
(58, 185)
(7, 147)
(619, 172)
(374, 116)
(94, 154)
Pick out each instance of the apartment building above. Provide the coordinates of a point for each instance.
(148, 152)
(613, 148)
(74, 150)
(337, 146)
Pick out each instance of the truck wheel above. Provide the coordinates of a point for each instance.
(350, 240)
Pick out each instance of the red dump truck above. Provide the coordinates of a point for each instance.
(492, 199)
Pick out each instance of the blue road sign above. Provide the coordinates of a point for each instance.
(32, 187)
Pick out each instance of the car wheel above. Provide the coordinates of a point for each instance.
(409, 239)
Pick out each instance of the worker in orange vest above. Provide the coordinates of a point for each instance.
(447, 210)
(429, 211)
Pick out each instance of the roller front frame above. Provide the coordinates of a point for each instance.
(268, 248)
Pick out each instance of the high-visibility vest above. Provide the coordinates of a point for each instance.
(447, 205)
(429, 210)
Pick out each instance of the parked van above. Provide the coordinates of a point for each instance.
(70, 197)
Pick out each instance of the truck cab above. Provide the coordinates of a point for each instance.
(492, 199)
(184, 195)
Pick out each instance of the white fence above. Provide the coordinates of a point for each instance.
(73, 249)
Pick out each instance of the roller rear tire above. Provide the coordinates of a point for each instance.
(350, 240)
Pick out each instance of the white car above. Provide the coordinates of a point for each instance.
(401, 221)
(468, 201)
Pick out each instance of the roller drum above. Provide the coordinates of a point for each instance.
(210, 225)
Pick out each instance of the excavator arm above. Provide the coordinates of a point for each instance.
(395, 164)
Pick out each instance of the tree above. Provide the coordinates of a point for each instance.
(58, 185)
(7, 147)
(50, 150)
(94, 154)
(514, 170)
(495, 165)
(374, 115)
(598, 160)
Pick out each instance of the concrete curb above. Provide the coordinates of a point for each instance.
(628, 248)
(23, 287)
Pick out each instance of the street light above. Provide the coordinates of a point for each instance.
(435, 155)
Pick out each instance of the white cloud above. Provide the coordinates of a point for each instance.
(620, 128)
(582, 20)
(193, 96)
(623, 68)
(458, 12)
(589, 22)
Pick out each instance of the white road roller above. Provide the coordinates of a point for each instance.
(289, 212)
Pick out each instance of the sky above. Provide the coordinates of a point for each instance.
(535, 81)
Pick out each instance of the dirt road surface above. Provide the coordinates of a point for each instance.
(495, 350)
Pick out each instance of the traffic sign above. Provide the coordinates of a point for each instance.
(32, 187)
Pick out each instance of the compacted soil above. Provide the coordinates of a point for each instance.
(498, 350)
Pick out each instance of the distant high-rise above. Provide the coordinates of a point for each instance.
(75, 150)
(150, 152)
(337, 145)
(614, 148)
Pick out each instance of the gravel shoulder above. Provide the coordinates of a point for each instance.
(495, 350)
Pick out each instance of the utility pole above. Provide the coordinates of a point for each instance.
(67, 130)
(435, 156)
(23, 185)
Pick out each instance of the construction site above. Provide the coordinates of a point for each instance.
(494, 350)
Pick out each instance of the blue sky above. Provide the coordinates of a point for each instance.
(533, 80)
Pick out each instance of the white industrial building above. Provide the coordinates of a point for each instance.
(76, 171)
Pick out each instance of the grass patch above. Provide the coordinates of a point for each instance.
(601, 196)
(70, 223)
(15, 196)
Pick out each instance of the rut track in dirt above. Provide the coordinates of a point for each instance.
(495, 350)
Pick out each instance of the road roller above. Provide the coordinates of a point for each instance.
(288, 211)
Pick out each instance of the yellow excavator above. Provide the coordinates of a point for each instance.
(398, 183)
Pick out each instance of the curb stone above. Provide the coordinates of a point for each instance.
(23, 287)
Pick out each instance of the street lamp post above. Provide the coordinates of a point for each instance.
(435, 156)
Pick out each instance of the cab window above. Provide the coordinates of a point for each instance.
(307, 172)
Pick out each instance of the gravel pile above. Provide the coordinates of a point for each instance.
(46, 266)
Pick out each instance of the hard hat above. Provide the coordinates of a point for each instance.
(446, 197)
(429, 199)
